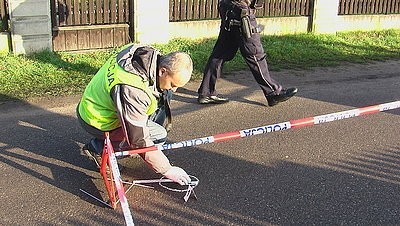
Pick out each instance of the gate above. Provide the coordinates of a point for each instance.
(79, 25)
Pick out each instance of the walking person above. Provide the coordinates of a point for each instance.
(239, 31)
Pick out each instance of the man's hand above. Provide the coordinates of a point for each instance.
(178, 175)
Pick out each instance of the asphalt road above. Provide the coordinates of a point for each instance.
(345, 172)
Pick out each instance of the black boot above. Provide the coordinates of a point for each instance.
(212, 99)
(284, 95)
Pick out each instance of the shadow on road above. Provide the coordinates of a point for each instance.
(43, 145)
(233, 191)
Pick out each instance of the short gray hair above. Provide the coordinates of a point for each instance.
(176, 62)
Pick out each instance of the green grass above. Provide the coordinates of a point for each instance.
(61, 74)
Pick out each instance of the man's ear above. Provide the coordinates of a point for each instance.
(162, 72)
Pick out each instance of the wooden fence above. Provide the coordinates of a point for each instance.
(354, 7)
(90, 24)
(77, 12)
(3, 15)
(183, 10)
(285, 8)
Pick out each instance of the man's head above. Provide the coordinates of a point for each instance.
(174, 70)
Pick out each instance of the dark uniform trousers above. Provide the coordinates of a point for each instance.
(228, 42)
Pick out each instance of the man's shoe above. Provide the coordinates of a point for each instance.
(212, 99)
(88, 150)
(284, 95)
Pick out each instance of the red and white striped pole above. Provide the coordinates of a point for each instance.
(269, 128)
(118, 182)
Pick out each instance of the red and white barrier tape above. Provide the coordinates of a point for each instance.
(269, 128)
(234, 135)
